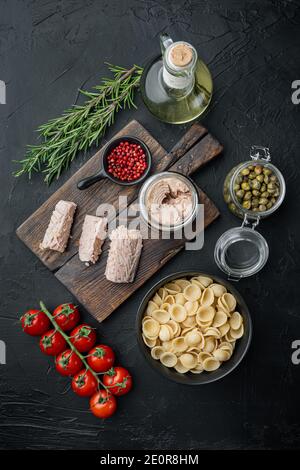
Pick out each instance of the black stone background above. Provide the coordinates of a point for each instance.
(47, 51)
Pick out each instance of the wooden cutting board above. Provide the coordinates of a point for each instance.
(88, 284)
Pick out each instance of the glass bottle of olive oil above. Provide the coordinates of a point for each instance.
(176, 86)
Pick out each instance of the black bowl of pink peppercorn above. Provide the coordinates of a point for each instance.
(126, 161)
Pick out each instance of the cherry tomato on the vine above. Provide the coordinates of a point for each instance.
(52, 343)
(68, 363)
(83, 337)
(66, 316)
(35, 322)
(101, 358)
(84, 383)
(103, 404)
(118, 380)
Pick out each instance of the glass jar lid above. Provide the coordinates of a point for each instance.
(241, 252)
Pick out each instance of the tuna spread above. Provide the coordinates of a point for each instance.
(169, 201)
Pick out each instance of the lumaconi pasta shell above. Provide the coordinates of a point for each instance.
(205, 281)
(193, 337)
(189, 322)
(168, 359)
(179, 368)
(221, 355)
(188, 360)
(164, 306)
(207, 297)
(236, 334)
(165, 333)
(149, 342)
(178, 312)
(162, 316)
(180, 299)
(195, 280)
(167, 346)
(179, 344)
(172, 288)
(224, 329)
(191, 307)
(182, 283)
(209, 344)
(197, 369)
(220, 319)
(211, 331)
(229, 301)
(157, 299)
(175, 326)
(236, 320)
(202, 356)
(205, 314)
(210, 364)
(229, 337)
(146, 317)
(156, 352)
(151, 328)
(218, 289)
(169, 299)
(150, 307)
(184, 331)
(192, 292)
(162, 293)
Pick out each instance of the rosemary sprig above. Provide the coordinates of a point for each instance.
(81, 126)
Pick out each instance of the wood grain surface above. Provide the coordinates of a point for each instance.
(88, 283)
(31, 232)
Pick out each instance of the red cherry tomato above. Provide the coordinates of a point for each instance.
(84, 384)
(52, 343)
(68, 363)
(101, 358)
(83, 337)
(66, 316)
(118, 380)
(103, 404)
(35, 322)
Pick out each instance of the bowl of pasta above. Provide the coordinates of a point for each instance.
(193, 328)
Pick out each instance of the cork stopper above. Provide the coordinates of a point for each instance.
(181, 55)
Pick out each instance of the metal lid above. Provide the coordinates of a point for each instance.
(241, 252)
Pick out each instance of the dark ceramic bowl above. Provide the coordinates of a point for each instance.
(241, 345)
(103, 173)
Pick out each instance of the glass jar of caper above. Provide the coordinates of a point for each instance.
(255, 188)
(252, 190)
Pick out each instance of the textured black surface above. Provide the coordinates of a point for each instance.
(47, 51)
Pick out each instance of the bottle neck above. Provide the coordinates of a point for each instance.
(179, 61)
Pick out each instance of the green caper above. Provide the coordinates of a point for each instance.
(263, 188)
(255, 202)
(239, 179)
(266, 179)
(246, 205)
(258, 169)
(252, 175)
(251, 167)
(255, 192)
(256, 184)
(263, 201)
(265, 194)
(245, 172)
(262, 208)
(273, 178)
(269, 205)
(260, 178)
(271, 186)
(267, 171)
(255, 209)
(236, 187)
(245, 186)
(248, 196)
(240, 193)
(273, 200)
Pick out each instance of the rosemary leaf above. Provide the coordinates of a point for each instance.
(80, 127)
